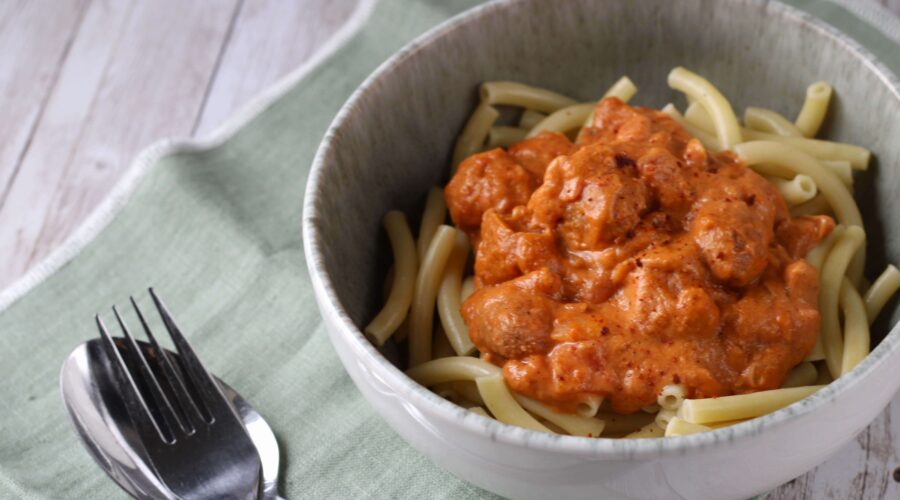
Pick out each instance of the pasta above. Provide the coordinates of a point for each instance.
(526, 96)
(698, 117)
(432, 272)
(563, 120)
(664, 417)
(530, 118)
(681, 427)
(856, 327)
(727, 129)
(803, 374)
(817, 353)
(449, 298)
(397, 304)
(830, 282)
(883, 289)
(433, 216)
(727, 423)
(814, 108)
(623, 89)
(438, 371)
(708, 140)
(475, 132)
(427, 282)
(671, 396)
(725, 408)
(766, 120)
(842, 169)
(479, 410)
(502, 404)
(589, 406)
(576, 425)
(856, 156)
(795, 191)
(818, 205)
(824, 150)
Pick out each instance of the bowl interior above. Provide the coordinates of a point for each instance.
(393, 140)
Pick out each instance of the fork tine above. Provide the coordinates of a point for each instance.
(163, 405)
(192, 412)
(196, 373)
(134, 402)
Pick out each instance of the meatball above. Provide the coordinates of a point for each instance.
(514, 319)
(537, 152)
(733, 226)
(610, 206)
(486, 180)
(595, 192)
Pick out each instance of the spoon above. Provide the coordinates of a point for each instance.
(103, 424)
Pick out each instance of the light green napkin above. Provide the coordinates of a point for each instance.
(217, 232)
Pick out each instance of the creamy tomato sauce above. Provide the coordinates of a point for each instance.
(631, 259)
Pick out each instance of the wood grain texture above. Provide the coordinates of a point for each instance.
(84, 85)
(149, 84)
(35, 37)
(135, 73)
(893, 5)
(271, 37)
(43, 167)
(863, 469)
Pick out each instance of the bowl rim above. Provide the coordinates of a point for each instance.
(607, 448)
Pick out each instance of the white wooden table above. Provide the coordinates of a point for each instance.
(86, 84)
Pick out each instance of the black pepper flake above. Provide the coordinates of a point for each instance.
(604, 331)
(623, 161)
(638, 263)
(750, 200)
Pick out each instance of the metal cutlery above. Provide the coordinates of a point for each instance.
(159, 424)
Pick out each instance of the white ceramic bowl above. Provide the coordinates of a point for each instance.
(392, 139)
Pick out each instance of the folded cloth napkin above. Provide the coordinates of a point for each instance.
(215, 227)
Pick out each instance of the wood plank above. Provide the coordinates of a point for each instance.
(863, 469)
(893, 5)
(841, 477)
(883, 463)
(270, 38)
(34, 38)
(137, 73)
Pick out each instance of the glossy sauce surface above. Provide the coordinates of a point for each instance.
(632, 259)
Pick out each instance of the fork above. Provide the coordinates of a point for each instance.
(192, 436)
